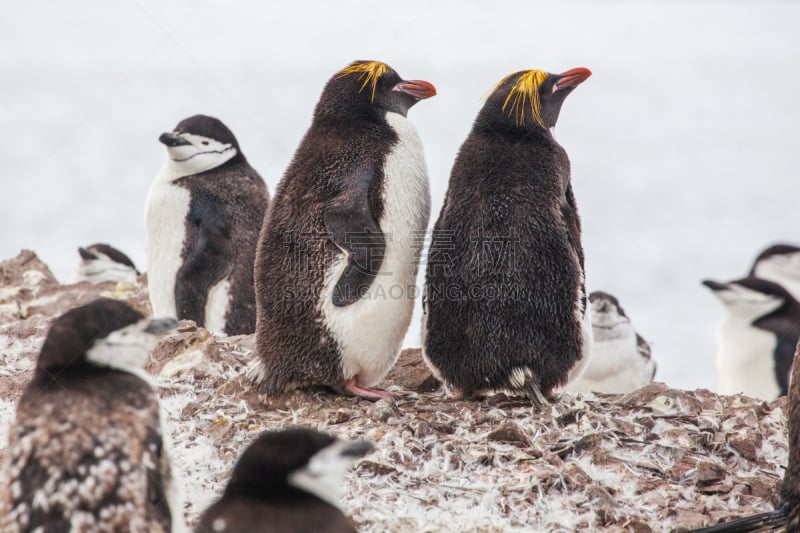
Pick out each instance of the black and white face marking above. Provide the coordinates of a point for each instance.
(128, 348)
(744, 302)
(197, 144)
(97, 267)
(86, 255)
(609, 320)
(325, 470)
(192, 154)
(102, 262)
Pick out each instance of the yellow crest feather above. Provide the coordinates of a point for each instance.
(525, 89)
(369, 71)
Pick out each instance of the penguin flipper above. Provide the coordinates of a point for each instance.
(353, 229)
(786, 329)
(569, 210)
(207, 260)
(784, 357)
(643, 347)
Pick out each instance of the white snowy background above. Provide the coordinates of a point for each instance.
(684, 142)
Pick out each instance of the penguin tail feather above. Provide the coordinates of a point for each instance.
(267, 381)
(264, 381)
(255, 371)
(535, 395)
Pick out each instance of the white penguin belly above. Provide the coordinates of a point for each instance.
(616, 367)
(167, 207)
(746, 361)
(370, 331)
(217, 306)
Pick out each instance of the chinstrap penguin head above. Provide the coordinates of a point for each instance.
(104, 333)
(609, 320)
(369, 88)
(308, 460)
(749, 298)
(101, 262)
(530, 99)
(200, 143)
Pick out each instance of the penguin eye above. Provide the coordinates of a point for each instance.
(204, 142)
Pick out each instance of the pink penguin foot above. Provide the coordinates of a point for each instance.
(365, 392)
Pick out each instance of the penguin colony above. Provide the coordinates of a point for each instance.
(306, 271)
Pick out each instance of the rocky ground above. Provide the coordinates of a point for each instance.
(658, 459)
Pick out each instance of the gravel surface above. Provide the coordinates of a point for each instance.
(658, 459)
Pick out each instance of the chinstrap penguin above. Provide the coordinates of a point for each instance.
(339, 251)
(505, 301)
(621, 358)
(204, 213)
(786, 516)
(286, 481)
(756, 338)
(779, 263)
(102, 262)
(88, 450)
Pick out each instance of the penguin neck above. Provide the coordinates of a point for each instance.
(53, 378)
(619, 331)
(739, 321)
(786, 308)
(202, 162)
(271, 492)
(335, 119)
(504, 128)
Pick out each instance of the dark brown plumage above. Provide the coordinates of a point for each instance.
(504, 296)
(227, 200)
(265, 496)
(330, 210)
(86, 450)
